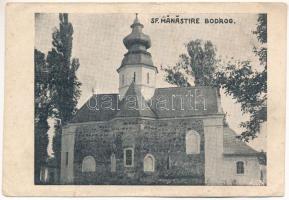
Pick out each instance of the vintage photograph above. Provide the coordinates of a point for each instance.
(150, 99)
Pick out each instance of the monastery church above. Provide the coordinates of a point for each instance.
(153, 136)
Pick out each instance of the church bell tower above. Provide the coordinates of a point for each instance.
(137, 65)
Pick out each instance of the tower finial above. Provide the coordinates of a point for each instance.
(136, 19)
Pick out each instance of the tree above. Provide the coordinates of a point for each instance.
(64, 82)
(41, 114)
(238, 79)
(199, 62)
(64, 85)
(248, 86)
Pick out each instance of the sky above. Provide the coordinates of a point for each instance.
(97, 42)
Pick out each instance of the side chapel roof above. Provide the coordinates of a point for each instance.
(234, 146)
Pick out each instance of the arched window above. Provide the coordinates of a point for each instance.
(240, 167)
(113, 163)
(192, 142)
(148, 78)
(149, 163)
(88, 164)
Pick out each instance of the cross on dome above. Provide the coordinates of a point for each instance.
(137, 37)
(136, 21)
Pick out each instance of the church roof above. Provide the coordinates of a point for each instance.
(138, 101)
(96, 109)
(196, 101)
(166, 103)
(234, 146)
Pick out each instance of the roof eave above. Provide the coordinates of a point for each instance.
(150, 66)
(240, 154)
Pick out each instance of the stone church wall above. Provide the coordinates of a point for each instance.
(164, 139)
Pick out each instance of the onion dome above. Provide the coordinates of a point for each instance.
(137, 40)
(137, 44)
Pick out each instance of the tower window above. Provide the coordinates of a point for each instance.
(122, 79)
(128, 157)
(148, 78)
(240, 167)
(134, 77)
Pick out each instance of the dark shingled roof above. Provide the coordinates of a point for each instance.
(196, 101)
(164, 104)
(234, 146)
(93, 111)
(139, 58)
